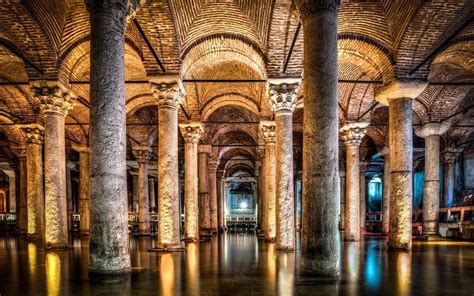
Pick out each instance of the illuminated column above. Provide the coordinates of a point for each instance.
(55, 104)
(283, 100)
(109, 251)
(220, 201)
(363, 196)
(342, 194)
(450, 155)
(169, 96)
(398, 95)
(213, 195)
(34, 175)
(191, 133)
(267, 129)
(22, 213)
(142, 154)
(151, 193)
(261, 185)
(70, 205)
(135, 189)
(352, 134)
(203, 187)
(431, 132)
(386, 190)
(258, 175)
(320, 234)
(84, 199)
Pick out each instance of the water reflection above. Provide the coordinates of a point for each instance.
(53, 273)
(403, 272)
(167, 274)
(373, 268)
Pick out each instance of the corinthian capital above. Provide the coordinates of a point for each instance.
(191, 132)
(142, 153)
(168, 92)
(267, 129)
(353, 132)
(53, 99)
(283, 96)
(33, 133)
(450, 154)
(306, 8)
(213, 166)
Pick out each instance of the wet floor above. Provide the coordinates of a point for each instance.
(239, 264)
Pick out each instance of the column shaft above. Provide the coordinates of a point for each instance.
(151, 193)
(204, 210)
(386, 195)
(143, 197)
(220, 203)
(191, 205)
(352, 205)
(448, 184)
(363, 201)
(23, 207)
(213, 197)
(270, 191)
(431, 188)
(84, 201)
(342, 194)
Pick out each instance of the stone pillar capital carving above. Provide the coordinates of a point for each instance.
(213, 166)
(53, 99)
(450, 154)
(261, 153)
(191, 132)
(283, 96)
(267, 129)
(205, 149)
(33, 133)
(168, 94)
(306, 8)
(81, 148)
(142, 153)
(432, 129)
(20, 151)
(132, 6)
(400, 89)
(354, 132)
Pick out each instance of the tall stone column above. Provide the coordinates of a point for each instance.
(213, 195)
(342, 194)
(34, 175)
(84, 199)
(151, 193)
(283, 100)
(386, 190)
(169, 96)
(431, 132)
(261, 185)
(398, 95)
(363, 196)
(320, 234)
(135, 189)
(142, 154)
(203, 187)
(11, 190)
(55, 103)
(109, 242)
(191, 133)
(258, 172)
(352, 134)
(450, 155)
(268, 132)
(70, 165)
(220, 201)
(22, 213)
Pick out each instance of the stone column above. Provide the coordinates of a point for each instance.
(169, 96)
(220, 201)
(320, 234)
(258, 172)
(261, 185)
(386, 190)
(135, 189)
(84, 200)
(191, 133)
(268, 132)
(352, 134)
(142, 154)
(362, 196)
(398, 95)
(151, 193)
(450, 155)
(34, 175)
(203, 187)
(283, 101)
(70, 202)
(22, 213)
(213, 195)
(55, 104)
(431, 132)
(109, 242)
(11, 190)
(342, 194)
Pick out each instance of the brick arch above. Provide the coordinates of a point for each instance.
(457, 57)
(230, 99)
(12, 131)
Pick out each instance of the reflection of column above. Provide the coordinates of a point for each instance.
(283, 100)
(220, 201)
(204, 210)
(352, 134)
(22, 207)
(84, 201)
(450, 155)
(268, 133)
(320, 234)
(363, 197)
(398, 95)
(191, 134)
(54, 106)
(386, 190)
(432, 133)
(151, 193)
(142, 155)
(34, 175)
(213, 195)
(169, 98)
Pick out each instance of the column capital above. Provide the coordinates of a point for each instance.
(261, 153)
(432, 129)
(450, 154)
(400, 89)
(220, 174)
(213, 166)
(33, 133)
(267, 129)
(53, 99)
(354, 132)
(20, 151)
(168, 91)
(205, 149)
(191, 132)
(283, 96)
(142, 153)
(307, 8)
(81, 148)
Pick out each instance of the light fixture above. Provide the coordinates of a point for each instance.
(243, 205)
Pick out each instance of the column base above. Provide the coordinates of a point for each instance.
(57, 247)
(285, 249)
(350, 238)
(314, 266)
(429, 237)
(109, 276)
(84, 233)
(214, 230)
(205, 233)
(168, 249)
(398, 247)
(191, 239)
(269, 239)
(222, 229)
(144, 234)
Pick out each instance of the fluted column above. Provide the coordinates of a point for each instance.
(320, 234)
(22, 213)
(34, 175)
(267, 129)
(109, 242)
(431, 132)
(386, 190)
(191, 133)
(203, 187)
(142, 154)
(450, 154)
(213, 195)
(84, 199)
(55, 104)
(283, 101)
(169, 96)
(398, 95)
(362, 196)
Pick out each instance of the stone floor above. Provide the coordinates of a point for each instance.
(235, 264)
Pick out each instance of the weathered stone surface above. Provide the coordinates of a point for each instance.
(109, 242)
(142, 155)
(23, 205)
(450, 155)
(386, 190)
(362, 197)
(400, 88)
(84, 197)
(203, 188)
(213, 196)
(151, 193)
(268, 133)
